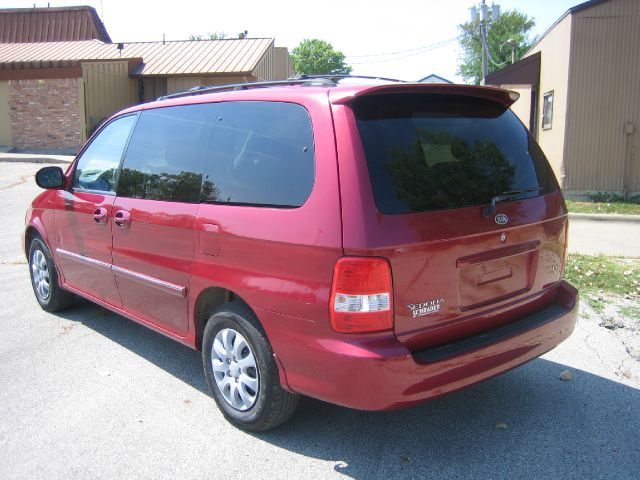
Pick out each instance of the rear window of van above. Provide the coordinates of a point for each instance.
(430, 152)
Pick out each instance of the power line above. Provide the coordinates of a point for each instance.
(420, 52)
(485, 45)
(400, 51)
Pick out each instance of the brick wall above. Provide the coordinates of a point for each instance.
(45, 114)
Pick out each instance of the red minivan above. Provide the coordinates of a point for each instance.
(370, 244)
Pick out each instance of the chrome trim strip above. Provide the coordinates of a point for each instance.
(92, 262)
(167, 287)
(150, 281)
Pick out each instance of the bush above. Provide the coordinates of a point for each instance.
(608, 197)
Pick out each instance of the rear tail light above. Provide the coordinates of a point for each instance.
(361, 295)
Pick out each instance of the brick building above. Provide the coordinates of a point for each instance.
(57, 85)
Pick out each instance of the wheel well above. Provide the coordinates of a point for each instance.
(29, 234)
(207, 302)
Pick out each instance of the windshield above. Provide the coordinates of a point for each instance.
(434, 152)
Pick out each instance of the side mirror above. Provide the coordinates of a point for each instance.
(50, 178)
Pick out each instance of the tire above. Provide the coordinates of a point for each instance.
(241, 371)
(44, 278)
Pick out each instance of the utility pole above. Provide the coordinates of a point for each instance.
(514, 45)
(483, 10)
(483, 34)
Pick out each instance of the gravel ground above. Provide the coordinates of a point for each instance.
(625, 328)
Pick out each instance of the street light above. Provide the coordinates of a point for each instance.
(482, 11)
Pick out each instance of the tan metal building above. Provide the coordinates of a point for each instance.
(580, 96)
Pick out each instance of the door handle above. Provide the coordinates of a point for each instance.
(122, 218)
(209, 239)
(100, 215)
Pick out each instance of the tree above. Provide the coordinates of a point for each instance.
(318, 57)
(208, 36)
(512, 25)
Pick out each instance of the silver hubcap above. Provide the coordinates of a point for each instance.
(234, 369)
(40, 274)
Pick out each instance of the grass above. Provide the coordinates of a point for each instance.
(631, 312)
(603, 202)
(596, 273)
(603, 276)
(620, 208)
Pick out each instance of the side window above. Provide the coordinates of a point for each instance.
(98, 166)
(547, 110)
(261, 153)
(166, 152)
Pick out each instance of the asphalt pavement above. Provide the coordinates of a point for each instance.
(89, 394)
(605, 234)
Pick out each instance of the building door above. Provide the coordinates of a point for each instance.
(5, 119)
(533, 120)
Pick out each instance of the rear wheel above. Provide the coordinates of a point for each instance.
(241, 372)
(44, 278)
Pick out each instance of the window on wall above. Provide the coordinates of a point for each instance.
(547, 110)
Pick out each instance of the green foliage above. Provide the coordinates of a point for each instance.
(612, 207)
(208, 36)
(318, 57)
(512, 25)
(608, 197)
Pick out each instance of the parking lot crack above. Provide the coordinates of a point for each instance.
(600, 359)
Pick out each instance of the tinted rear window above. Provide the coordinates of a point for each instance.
(434, 152)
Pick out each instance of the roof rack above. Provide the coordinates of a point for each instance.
(337, 77)
(304, 79)
(201, 89)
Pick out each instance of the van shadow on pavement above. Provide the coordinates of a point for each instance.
(585, 428)
(171, 356)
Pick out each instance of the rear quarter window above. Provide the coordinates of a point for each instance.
(262, 153)
(433, 152)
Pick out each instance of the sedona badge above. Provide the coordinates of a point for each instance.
(425, 308)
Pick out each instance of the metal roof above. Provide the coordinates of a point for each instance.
(192, 57)
(185, 57)
(60, 24)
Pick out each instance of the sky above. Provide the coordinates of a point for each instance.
(405, 39)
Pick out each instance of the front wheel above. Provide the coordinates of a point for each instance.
(44, 278)
(241, 372)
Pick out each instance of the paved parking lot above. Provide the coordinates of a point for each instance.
(608, 237)
(89, 394)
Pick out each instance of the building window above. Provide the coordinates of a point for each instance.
(547, 110)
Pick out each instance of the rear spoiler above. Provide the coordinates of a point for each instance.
(345, 95)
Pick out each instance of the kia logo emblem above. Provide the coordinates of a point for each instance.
(501, 219)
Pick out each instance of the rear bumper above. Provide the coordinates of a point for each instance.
(379, 373)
